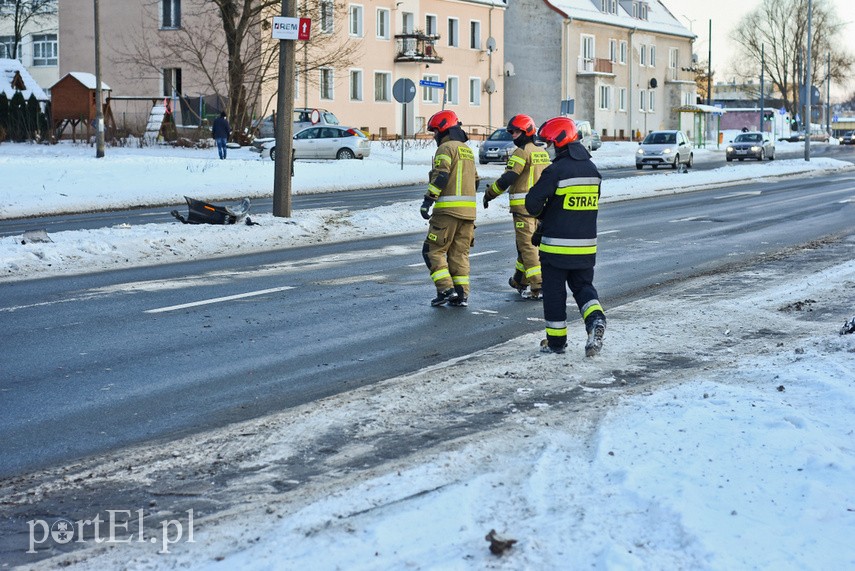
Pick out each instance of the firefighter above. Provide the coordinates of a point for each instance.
(523, 170)
(566, 200)
(451, 193)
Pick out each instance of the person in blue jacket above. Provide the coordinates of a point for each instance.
(221, 130)
(566, 200)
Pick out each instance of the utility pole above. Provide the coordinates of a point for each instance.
(762, 91)
(808, 84)
(99, 107)
(709, 69)
(284, 123)
(828, 96)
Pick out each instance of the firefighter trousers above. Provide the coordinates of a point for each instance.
(555, 283)
(446, 251)
(528, 270)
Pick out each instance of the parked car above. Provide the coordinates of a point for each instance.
(586, 135)
(751, 145)
(848, 138)
(497, 147)
(323, 142)
(661, 148)
(303, 117)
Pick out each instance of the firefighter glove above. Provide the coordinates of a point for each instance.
(425, 208)
(538, 234)
(486, 200)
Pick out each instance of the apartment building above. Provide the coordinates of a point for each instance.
(623, 65)
(452, 42)
(38, 48)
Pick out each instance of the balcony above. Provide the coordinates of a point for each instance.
(416, 47)
(595, 65)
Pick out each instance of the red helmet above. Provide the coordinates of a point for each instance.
(559, 131)
(443, 121)
(522, 123)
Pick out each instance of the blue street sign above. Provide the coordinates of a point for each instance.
(437, 84)
(782, 111)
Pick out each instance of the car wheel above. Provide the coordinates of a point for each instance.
(772, 157)
(676, 162)
(273, 154)
(741, 159)
(730, 159)
(483, 162)
(654, 166)
(762, 155)
(345, 154)
(639, 167)
(691, 162)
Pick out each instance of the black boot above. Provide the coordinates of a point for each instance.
(445, 296)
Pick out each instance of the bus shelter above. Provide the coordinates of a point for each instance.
(704, 118)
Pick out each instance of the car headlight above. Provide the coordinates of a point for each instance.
(640, 152)
(755, 148)
(729, 150)
(666, 152)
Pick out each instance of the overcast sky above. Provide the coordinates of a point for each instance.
(725, 14)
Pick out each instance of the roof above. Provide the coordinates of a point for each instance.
(660, 20)
(698, 108)
(86, 79)
(8, 69)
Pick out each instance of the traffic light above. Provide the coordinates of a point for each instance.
(768, 116)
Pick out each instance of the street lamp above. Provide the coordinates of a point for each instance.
(690, 21)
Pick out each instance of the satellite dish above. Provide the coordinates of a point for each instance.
(653, 83)
(509, 69)
(491, 44)
(490, 86)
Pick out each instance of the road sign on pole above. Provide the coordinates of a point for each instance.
(437, 84)
(286, 28)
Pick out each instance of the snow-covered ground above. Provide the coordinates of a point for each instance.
(704, 437)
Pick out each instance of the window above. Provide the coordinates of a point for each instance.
(7, 44)
(430, 25)
(642, 55)
(383, 23)
(326, 16)
(651, 101)
(170, 12)
(475, 35)
(453, 40)
(452, 89)
(356, 85)
(326, 83)
(609, 6)
(621, 99)
(45, 50)
(475, 91)
(355, 20)
(652, 56)
(613, 51)
(382, 86)
(407, 23)
(430, 94)
(623, 53)
(605, 97)
(172, 81)
(687, 98)
(642, 101)
(673, 57)
(587, 50)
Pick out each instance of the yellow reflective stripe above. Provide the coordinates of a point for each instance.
(454, 204)
(460, 280)
(535, 271)
(495, 188)
(569, 250)
(590, 308)
(518, 202)
(435, 191)
(439, 159)
(440, 274)
(515, 159)
(520, 266)
(557, 332)
(465, 153)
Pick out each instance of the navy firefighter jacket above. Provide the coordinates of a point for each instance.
(566, 200)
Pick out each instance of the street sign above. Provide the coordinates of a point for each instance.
(782, 111)
(437, 84)
(285, 28)
(404, 90)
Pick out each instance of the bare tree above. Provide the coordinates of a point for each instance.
(21, 13)
(233, 64)
(780, 27)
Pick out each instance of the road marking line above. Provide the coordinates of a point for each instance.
(218, 299)
(422, 264)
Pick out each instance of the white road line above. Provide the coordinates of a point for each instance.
(218, 299)
(422, 264)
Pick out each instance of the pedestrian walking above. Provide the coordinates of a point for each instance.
(452, 185)
(523, 170)
(566, 201)
(221, 131)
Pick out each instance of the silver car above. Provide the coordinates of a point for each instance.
(664, 148)
(751, 145)
(497, 148)
(303, 117)
(324, 142)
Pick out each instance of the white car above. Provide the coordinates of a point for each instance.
(322, 142)
(664, 148)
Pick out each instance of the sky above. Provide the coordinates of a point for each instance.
(725, 15)
(742, 460)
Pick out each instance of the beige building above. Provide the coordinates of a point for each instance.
(38, 49)
(446, 41)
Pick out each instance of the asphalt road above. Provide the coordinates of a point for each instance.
(97, 362)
